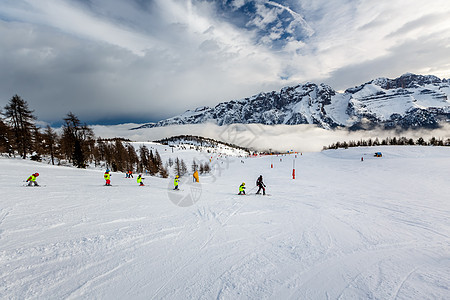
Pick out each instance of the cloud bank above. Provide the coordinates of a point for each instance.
(300, 138)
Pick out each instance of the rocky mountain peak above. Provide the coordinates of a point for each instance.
(409, 101)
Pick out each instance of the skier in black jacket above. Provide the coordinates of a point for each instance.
(261, 185)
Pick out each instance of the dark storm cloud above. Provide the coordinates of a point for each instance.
(109, 60)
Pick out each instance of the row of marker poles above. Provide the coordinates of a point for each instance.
(293, 165)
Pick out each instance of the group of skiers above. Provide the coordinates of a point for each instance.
(129, 174)
(139, 179)
(259, 182)
(107, 176)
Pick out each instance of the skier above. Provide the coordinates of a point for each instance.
(139, 180)
(261, 185)
(195, 177)
(242, 189)
(175, 182)
(130, 174)
(107, 177)
(32, 179)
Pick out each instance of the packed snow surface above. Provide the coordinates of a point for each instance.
(343, 229)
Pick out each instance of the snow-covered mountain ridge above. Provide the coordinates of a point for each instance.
(410, 101)
(201, 144)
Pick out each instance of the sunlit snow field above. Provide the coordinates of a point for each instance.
(343, 229)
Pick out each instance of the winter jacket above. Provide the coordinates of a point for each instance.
(259, 182)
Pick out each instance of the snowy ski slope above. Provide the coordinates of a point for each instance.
(343, 229)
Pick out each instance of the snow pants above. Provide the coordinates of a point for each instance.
(261, 188)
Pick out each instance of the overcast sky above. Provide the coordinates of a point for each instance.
(113, 61)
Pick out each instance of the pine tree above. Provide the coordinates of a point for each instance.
(143, 158)
(5, 137)
(21, 120)
(151, 165)
(177, 167)
(50, 143)
(194, 165)
(158, 162)
(120, 157)
(164, 172)
(201, 169)
(77, 141)
(183, 168)
(37, 148)
(133, 158)
(99, 152)
(206, 168)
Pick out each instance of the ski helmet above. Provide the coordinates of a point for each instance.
(37, 174)
(243, 183)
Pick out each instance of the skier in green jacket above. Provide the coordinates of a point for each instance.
(242, 189)
(32, 179)
(175, 182)
(139, 180)
(107, 177)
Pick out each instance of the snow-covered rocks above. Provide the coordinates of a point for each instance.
(410, 101)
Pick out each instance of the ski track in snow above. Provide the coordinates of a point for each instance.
(344, 229)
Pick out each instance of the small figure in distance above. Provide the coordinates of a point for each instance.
(261, 185)
(175, 182)
(139, 180)
(107, 177)
(242, 189)
(32, 179)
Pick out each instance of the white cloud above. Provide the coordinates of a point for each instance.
(74, 20)
(237, 3)
(301, 138)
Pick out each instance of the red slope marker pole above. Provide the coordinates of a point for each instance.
(293, 169)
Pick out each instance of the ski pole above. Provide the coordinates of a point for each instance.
(252, 188)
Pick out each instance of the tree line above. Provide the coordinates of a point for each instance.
(389, 141)
(76, 144)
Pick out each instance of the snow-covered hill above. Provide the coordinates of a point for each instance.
(410, 101)
(343, 229)
(205, 145)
